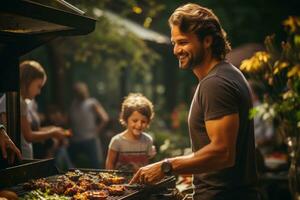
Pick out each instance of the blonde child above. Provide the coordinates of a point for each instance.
(32, 79)
(132, 148)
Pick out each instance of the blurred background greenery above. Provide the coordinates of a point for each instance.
(129, 51)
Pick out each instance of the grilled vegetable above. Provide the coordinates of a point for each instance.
(39, 195)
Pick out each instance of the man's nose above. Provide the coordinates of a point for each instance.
(176, 50)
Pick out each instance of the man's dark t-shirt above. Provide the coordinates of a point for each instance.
(222, 92)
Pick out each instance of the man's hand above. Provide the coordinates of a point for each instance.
(8, 148)
(149, 174)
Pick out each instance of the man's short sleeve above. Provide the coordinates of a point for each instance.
(218, 97)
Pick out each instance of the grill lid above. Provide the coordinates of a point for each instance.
(24, 16)
(26, 24)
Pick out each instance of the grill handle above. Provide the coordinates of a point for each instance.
(168, 194)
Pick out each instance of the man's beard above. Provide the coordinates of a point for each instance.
(193, 61)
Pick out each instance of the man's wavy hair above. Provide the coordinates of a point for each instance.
(193, 18)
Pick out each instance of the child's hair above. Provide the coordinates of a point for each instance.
(29, 71)
(136, 102)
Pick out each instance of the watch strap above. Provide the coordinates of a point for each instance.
(169, 164)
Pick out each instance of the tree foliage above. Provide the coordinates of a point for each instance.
(103, 57)
(278, 69)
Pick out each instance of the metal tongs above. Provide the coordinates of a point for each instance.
(134, 186)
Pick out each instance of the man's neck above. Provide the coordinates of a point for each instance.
(205, 67)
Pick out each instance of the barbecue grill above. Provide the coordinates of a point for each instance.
(15, 177)
(24, 26)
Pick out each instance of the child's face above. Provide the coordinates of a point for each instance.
(35, 88)
(137, 123)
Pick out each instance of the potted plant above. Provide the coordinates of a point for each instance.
(278, 69)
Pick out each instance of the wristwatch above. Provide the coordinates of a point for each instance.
(2, 127)
(166, 167)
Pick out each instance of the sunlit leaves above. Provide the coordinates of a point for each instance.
(137, 9)
(297, 41)
(147, 22)
(295, 71)
(278, 68)
(292, 24)
(279, 65)
(256, 63)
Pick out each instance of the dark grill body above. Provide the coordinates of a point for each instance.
(14, 178)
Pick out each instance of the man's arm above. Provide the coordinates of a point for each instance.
(218, 154)
(7, 145)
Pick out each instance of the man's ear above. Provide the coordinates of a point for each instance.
(207, 42)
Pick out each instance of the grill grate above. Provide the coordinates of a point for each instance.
(134, 192)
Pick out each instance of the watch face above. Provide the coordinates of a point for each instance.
(166, 167)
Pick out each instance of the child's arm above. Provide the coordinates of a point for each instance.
(111, 159)
(152, 152)
(151, 148)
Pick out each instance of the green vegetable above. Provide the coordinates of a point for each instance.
(39, 195)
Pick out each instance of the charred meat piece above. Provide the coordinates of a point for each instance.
(110, 179)
(96, 195)
(61, 185)
(41, 184)
(79, 196)
(73, 190)
(116, 190)
(101, 186)
(91, 195)
(57, 188)
(94, 186)
(85, 184)
(74, 175)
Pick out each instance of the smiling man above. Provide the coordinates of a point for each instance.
(223, 159)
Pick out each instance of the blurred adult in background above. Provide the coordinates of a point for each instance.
(8, 148)
(263, 129)
(32, 79)
(88, 119)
